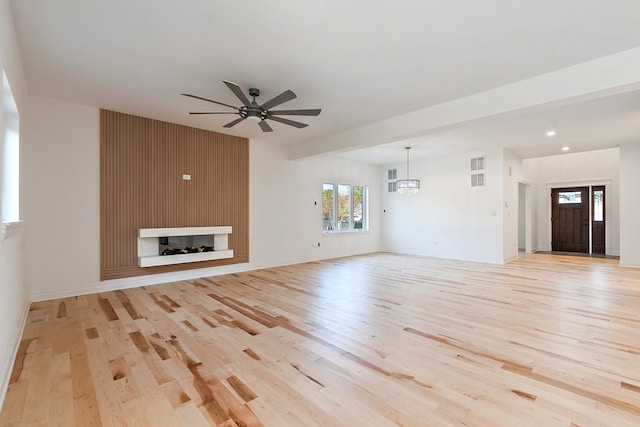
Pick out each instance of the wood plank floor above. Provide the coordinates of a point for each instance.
(374, 340)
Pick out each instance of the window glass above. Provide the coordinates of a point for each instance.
(567, 197)
(598, 205)
(344, 207)
(358, 207)
(327, 207)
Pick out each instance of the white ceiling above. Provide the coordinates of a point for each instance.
(360, 61)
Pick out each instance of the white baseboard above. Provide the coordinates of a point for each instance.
(511, 258)
(4, 386)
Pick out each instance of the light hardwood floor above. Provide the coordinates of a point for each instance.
(374, 340)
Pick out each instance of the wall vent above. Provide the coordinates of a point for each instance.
(478, 165)
(392, 175)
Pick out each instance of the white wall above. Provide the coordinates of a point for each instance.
(64, 206)
(286, 207)
(63, 233)
(630, 205)
(577, 169)
(14, 300)
(511, 172)
(448, 218)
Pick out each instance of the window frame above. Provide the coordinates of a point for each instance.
(333, 227)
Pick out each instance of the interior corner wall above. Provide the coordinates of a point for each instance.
(629, 205)
(14, 301)
(285, 225)
(448, 218)
(575, 169)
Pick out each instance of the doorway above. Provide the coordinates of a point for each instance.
(570, 219)
(578, 222)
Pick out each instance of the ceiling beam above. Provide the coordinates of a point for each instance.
(606, 76)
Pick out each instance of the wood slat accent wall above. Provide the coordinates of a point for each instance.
(141, 166)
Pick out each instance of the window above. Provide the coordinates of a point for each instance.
(598, 205)
(344, 208)
(568, 197)
(10, 155)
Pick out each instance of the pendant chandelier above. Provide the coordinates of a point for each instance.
(408, 187)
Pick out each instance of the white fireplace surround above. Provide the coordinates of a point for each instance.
(149, 245)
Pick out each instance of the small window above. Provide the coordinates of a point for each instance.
(393, 186)
(598, 205)
(569, 197)
(392, 174)
(344, 208)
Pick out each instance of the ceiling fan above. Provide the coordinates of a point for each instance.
(252, 111)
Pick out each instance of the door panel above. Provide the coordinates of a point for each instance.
(570, 219)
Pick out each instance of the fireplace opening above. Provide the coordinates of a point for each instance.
(177, 245)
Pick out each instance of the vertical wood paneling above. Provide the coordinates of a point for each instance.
(142, 162)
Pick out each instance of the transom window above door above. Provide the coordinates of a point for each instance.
(566, 197)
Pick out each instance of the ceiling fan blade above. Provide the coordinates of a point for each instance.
(288, 122)
(265, 126)
(212, 112)
(233, 123)
(285, 96)
(311, 112)
(238, 92)
(209, 100)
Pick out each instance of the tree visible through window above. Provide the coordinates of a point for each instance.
(343, 208)
(358, 207)
(328, 201)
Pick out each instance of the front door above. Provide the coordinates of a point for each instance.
(570, 219)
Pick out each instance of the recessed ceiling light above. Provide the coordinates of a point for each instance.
(551, 133)
(566, 148)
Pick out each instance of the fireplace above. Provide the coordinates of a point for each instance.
(177, 245)
(165, 246)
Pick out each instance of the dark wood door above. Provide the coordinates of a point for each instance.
(570, 219)
(597, 220)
